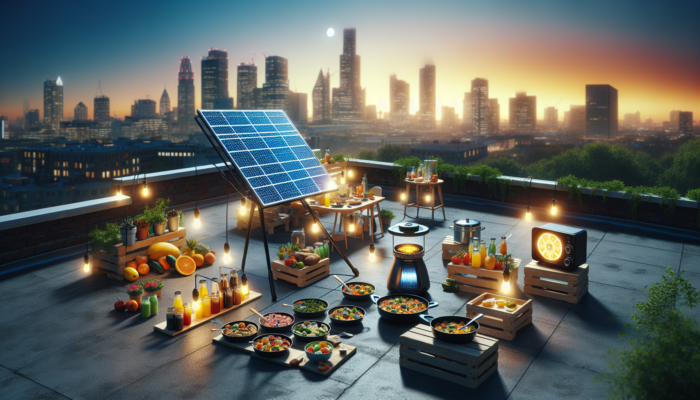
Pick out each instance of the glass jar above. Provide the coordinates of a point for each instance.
(228, 298)
(237, 295)
(233, 281)
(178, 322)
(170, 319)
(492, 247)
(328, 155)
(299, 238)
(146, 306)
(154, 304)
(431, 170)
(223, 283)
(215, 303)
(187, 314)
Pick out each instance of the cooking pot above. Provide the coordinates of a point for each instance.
(466, 230)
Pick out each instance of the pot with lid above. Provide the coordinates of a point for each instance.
(466, 230)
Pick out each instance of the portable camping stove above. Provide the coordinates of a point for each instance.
(408, 273)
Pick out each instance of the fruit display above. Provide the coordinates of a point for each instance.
(210, 258)
(272, 343)
(450, 285)
(155, 266)
(292, 262)
(131, 274)
(307, 258)
(171, 261)
(143, 269)
(455, 327)
(198, 259)
(132, 305)
(132, 264)
(162, 249)
(195, 247)
(359, 289)
(500, 303)
(403, 305)
(163, 262)
(141, 259)
(185, 265)
(319, 348)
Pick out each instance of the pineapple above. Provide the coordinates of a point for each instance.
(189, 250)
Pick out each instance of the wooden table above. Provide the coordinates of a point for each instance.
(431, 186)
(368, 206)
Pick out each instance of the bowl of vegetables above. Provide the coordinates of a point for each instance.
(307, 331)
(272, 345)
(307, 309)
(318, 351)
(359, 291)
(347, 315)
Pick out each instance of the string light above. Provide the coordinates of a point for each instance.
(371, 252)
(403, 194)
(350, 172)
(119, 190)
(244, 285)
(528, 216)
(506, 277)
(86, 259)
(342, 177)
(527, 212)
(427, 197)
(314, 227)
(196, 217)
(227, 256)
(145, 187)
(554, 206)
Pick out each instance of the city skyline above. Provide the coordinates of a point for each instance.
(550, 55)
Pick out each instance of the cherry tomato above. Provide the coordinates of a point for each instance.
(457, 260)
(466, 259)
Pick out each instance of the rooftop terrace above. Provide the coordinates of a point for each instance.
(61, 337)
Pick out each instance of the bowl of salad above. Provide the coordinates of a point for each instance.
(321, 351)
(307, 309)
(307, 331)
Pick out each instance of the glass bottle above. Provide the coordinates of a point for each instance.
(154, 304)
(237, 295)
(215, 303)
(170, 319)
(476, 257)
(482, 252)
(365, 189)
(492, 246)
(203, 288)
(214, 287)
(187, 314)
(413, 172)
(504, 246)
(206, 307)
(234, 279)
(145, 306)
(198, 308)
(178, 321)
(228, 298)
(328, 155)
(178, 300)
(223, 283)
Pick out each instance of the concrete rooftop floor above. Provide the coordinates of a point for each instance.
(60, 336)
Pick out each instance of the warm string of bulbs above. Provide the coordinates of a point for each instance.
(553, 210)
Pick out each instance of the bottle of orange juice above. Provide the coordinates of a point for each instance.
(482, 251)
(504, 246)
(476, 258)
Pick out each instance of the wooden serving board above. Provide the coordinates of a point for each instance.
(295, 352)
(499, 321)
(252, 296)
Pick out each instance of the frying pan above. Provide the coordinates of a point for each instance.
(357, 297)
(351, 322)
(452, 337)
(312, 338)
(273, 353)
(238, 339)
(277, 329)
(402, 318)
(307, 316)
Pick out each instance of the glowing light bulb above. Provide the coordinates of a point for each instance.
(403, 195)
(145, 191)
(196, 223)
(196, 217)
(554, 206)
(352, 227)
(314, 228)
(528, 216)
(227, 256)
(86, 261)
(342, 181)
(427, 197)
(506, 286)
(119, 190)
(371, 252)
(350, 173)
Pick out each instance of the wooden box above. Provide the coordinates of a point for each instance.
(273, 219)
(556, 283)
(480, 280)
(467, 364)
(113, 259)
(499, 321)
(301, 277)
(450, 245)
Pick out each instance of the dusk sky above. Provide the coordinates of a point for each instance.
(648, 50)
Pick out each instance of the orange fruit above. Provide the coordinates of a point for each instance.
(198, 259)
(490, 262)
(185, 265)
(141, 259)
(132, 264)
(210, 258)
(143, 269)
(132, 305)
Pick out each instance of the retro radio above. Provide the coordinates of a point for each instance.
(559, 245)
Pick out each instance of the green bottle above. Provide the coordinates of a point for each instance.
(492, 247)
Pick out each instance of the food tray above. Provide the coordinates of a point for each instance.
(555, 283)
(499, 321)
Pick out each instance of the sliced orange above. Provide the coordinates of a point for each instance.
(198, 259)
(185, 265)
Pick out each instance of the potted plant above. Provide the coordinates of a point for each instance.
(134, 291)
(153, 286)
(156, 216)
(127, 229)
(173, 216)
(371, 194)
(101, 238)
(386, 216)
(142, 227)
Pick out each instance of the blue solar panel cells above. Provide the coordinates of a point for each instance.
(265, 128)
(287, 190)
(222, 129)
(284, 154)
(233, 120)
(268, 194)
(210, 114)
(259, 120)
(257, 114)
(316, 171)
(283, 128)
(294, 140)
(298, 174)
(324, 182)
(263, 156)
(279, 178)
(310, 163)
(272, 168)
(244, 129)
(278, 120)
(217, 120)
(233, 144)
(243, 159)
(303, 152)
(252, 171)
(273, 142)
(259, 181)
(254, 143)
(275, 114)
(307, 186)
(291, 166)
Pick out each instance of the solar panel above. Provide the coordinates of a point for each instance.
(270, 154)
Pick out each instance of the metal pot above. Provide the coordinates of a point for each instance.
(466, 230)
(173, 223)
(159, 229)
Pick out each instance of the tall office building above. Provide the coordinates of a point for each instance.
(164, 103)
(400, 102)
(480, 106)
(467, 112)
(185, 96)
(101, 109)
(633, 120)
(224, 104)
(144, 108)
(494, 117)
(427, 100)
(523, 113)
(32, 119)
(576, 124)
(258, 98)
(321, 98)
(25, 106)
(370, 112)
(551, 119)
(53, 103)
(275, 91)
(348, 103)
(685, 122)
(80, 112)
(601, 112)
(674, 119)
(448, 118)
(247, 82)
(214, 77)
(298, 107)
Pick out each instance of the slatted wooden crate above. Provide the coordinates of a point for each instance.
(450, 245)
(301, 277)
(556, 283)
(480, 280)
(467, 364)
(113, 259)
(499, 321)
(273, 219)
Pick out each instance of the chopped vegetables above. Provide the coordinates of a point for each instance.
(240, 330)
(272, 343)
(310, 329)
(310, 305)
(403, 305)
(319, 348)
(276, 320)
(358, 290)
(455, 327)
(346, 314)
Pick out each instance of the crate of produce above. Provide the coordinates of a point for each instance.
(112, 260)
(273, 218)
(500, 321)
(450, 247)
(481, 280)
(556, 283)
(301, 277)
(467, 364)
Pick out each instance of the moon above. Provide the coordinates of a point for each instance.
(330, 32)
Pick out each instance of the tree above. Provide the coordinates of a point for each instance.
(367, 155)
(389, 153)
(684, 173)
(507, 166)
(542, 153)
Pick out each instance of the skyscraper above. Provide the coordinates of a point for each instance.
(321, 98)
(467, 112)
(577, 121)
(448, 118)
(551, 119)
(523, 113)
(164, 103)
(144, 108)
(427, 101)
(494, 117)
(674, 119)
(185, 96)
(370, 112)
(633, 120)
(53, 103)
(214, 77)
(80, 112)
(25, 106)
(247, 82)
(480, 106)
(298, 107)
(685, 122)
(347, 99)
(400, 102)
(101, 109)
(275, 92)
(601, 112)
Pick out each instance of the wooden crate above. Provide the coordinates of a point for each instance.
(301, 277)
(556, 283)
(480, 280)
(113, 259)
(450, 245)
(499, 321)
(467, 364)
(273, 219)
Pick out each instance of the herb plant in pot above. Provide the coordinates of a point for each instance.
(101, 238)
(134, 291)
(142, 228)
(156, 216)
(153, 286)
(128, 231)
(386, 216)
(173, 216)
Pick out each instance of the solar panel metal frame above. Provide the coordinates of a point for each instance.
(210, 131)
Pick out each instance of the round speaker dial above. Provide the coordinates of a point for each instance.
(549, 246)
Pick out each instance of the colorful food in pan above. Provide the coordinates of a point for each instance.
(310, 329)
(359, 290)
(403, 305)
(455, 327)
(309, 306)
(346, 314)
(272, 343)
(276, 320)
(240, 330)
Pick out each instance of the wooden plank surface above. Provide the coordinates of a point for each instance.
(552, 294)
(252, 296)
(537, 269)
(295, 352)
(121, 250)
(344, 210)
(570, 289)
(499, 312)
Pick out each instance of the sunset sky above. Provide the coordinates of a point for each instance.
(648, 50)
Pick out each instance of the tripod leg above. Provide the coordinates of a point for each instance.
(267, 256)
(247, 237)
